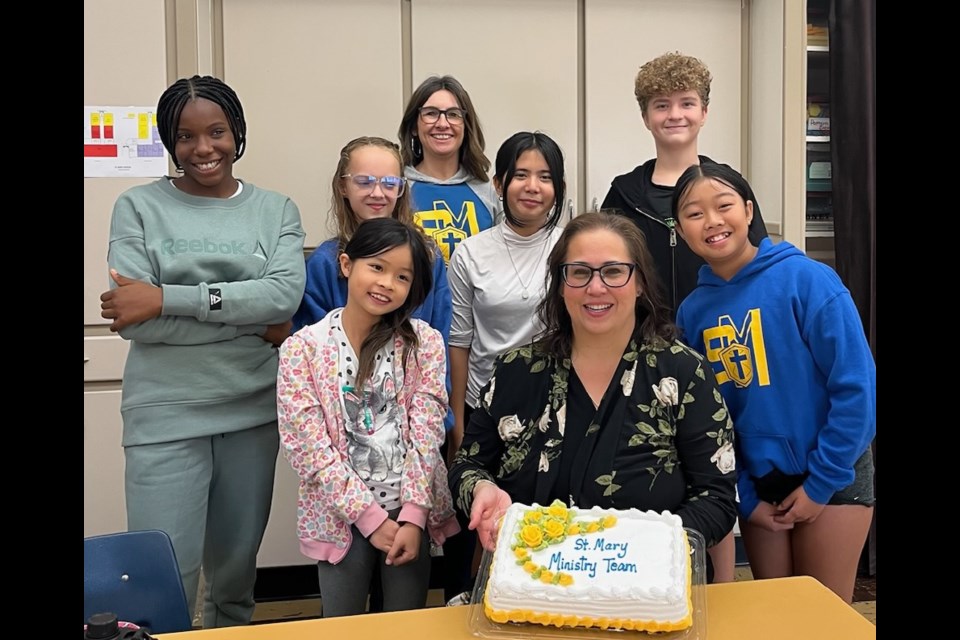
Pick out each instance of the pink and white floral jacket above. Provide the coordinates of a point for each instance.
(313, 439)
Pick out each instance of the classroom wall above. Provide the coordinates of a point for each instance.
(312, 75)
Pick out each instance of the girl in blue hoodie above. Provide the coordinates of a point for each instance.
(788, 348)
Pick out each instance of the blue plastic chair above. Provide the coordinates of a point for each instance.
(135, 575)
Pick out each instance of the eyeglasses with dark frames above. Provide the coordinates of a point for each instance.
(612, 274)
(430, 115)
(390, 185)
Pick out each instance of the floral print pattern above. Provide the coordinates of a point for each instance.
(626, 382)
(674, 425)
(724, 458)
(313, 439)
(509, 428)
(666, 392)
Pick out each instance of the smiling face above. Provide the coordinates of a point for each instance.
(529, 193)
(675, 119)
(205, 148)
(440, 139)
(379, 284)
(597, 310)
(365, 203)
(715, 220)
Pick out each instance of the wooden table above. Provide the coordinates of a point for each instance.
(784, 609)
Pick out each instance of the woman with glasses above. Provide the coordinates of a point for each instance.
(442, 146)
(607, 408)
(367, 184)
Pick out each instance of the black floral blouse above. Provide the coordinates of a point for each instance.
(661, 438)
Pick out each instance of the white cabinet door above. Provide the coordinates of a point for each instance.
(620, 35)
(104, 509)
(311, 76)
(516, 58)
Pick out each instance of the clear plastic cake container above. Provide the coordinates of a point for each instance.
(483, 627)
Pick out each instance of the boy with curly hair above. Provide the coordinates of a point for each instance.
(673, 91)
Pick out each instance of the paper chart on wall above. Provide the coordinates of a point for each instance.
(122, 142)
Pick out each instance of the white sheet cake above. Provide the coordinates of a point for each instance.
(602, 568)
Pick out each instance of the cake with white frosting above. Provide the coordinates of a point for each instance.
(603, 568)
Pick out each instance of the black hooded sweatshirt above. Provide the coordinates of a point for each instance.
(635, 196)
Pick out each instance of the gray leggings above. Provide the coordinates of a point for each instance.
(344, 586)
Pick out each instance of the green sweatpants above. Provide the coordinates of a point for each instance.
(212, 496)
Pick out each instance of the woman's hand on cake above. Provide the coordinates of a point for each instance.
(406, 545)
(490, 502)
(798, 507)
(383, 537)
(765, 516)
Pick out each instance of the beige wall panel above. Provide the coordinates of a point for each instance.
(794, 111)
(280, 546)
(516, 58)
(623, 34)
(311, 76)
(123, 64)
(104, 509)
(766, 109)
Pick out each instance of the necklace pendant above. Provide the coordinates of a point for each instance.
(367, 418)
(524, 295)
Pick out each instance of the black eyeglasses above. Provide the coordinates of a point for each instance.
(391, 185)
(430, 115)
(612, 274)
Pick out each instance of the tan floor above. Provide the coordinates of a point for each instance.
(310, 608)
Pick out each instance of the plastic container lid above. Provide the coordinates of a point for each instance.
(102, 626)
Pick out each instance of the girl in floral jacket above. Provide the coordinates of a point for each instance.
(607, 409)
(361, 401)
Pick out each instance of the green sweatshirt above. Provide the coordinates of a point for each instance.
(228, 268)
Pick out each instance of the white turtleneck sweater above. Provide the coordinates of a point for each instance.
(488, 275)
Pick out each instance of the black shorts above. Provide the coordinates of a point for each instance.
(776, 485)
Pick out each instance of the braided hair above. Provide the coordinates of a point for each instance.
(177, 95)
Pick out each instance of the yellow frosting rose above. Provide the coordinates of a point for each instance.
(558, 510)
(531, 535)
(573, 529)
(530, 567)
(520, 552)
(546, 577)
(609, 521)
(532, 516)
(566, 579)
(554, 528)
(593, 527)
